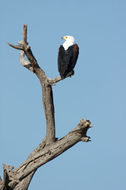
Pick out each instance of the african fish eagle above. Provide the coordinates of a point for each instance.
(67, 56)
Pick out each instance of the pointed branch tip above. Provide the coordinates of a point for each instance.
(25, 34)
(19, 47)
(85, 139)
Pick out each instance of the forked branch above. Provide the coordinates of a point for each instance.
(47, 93)
(50, 147)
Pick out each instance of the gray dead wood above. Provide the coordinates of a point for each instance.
(50, 147)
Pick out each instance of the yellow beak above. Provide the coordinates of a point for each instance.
(64, 37)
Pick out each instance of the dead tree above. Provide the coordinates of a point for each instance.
(50, 147)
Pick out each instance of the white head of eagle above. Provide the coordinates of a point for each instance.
(67, 56)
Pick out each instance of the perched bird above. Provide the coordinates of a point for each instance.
(67, 56)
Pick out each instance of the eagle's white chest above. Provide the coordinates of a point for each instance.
(67, 44)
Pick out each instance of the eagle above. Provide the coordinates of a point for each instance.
(67, 56)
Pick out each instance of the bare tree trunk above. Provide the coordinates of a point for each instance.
(50, 147)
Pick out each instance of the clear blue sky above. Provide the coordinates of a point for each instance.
(97, 91)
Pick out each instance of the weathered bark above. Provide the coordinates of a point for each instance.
(50, 147)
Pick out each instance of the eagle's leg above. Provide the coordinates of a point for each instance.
(70, 74)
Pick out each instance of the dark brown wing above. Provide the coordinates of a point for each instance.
(73, 59)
